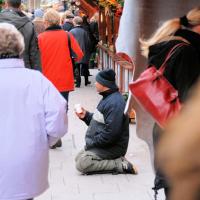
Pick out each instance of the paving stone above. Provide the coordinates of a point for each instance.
(121, 196)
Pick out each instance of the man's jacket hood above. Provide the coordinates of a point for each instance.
(31, 54)
(13, 17)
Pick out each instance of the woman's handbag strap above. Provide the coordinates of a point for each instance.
(170, 53)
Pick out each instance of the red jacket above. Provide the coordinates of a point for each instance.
(55, 57)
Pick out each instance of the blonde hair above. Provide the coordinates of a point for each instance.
(67, 15)
(11, 40)
(52, 17)
(167, 30)
(62, 18)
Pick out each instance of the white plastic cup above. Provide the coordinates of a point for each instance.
(78, 108)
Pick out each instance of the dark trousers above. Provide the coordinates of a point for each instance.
(160, 179)
(77, 74)
(65, 95)
(81, 70)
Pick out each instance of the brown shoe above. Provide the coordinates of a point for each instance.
(58, 144)
(128, 167)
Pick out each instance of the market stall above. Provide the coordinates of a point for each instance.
(110, 12)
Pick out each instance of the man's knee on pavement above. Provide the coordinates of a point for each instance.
(83, 163)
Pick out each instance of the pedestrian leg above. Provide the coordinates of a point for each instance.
(87, 162)
(77, 74)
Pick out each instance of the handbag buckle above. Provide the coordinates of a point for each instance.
(174, 96)
(157, 75)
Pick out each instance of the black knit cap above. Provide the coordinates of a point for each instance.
(107, 78)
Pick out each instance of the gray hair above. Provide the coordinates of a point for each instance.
(11, 40)
(52, 17)
(77, 20)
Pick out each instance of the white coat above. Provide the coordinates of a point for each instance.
(32, 117)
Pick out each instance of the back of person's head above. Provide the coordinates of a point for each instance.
(77, 20)
(68, 14)
(85, 19)
(168, 29)
(52, 17)
(11, 41)
(193, 17)
(13, 3)
(107, 78)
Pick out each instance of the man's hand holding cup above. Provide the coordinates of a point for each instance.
(80, 111)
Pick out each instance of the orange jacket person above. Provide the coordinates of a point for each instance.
(55, 55)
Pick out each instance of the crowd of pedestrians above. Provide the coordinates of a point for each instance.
(42, 59)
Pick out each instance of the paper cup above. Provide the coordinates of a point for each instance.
(78, 108)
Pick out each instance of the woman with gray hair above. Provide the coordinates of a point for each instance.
(11, 42)
(32, 118)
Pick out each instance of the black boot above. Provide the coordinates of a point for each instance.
(77, 75)
(58, 144)
(86, 81)
(78, 82)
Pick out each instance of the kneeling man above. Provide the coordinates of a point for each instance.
(107, 135)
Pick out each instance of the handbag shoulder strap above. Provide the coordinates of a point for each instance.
(170, 53)
(69, 42)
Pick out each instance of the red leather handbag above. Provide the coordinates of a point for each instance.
(155, 94)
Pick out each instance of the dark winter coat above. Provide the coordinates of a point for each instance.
(31, 53)
(67, 26)
(83, 39)
(94, 29)
(182, 71)
(108, 131)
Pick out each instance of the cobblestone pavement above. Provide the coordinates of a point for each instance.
(66, 183)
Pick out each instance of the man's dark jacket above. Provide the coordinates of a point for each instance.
(83, 39)
(67, 26)
(31, 53)
(108, 131)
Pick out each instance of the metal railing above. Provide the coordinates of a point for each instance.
(123, 67)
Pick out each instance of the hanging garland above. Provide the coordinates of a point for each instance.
(114, 3)
(121, 2)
